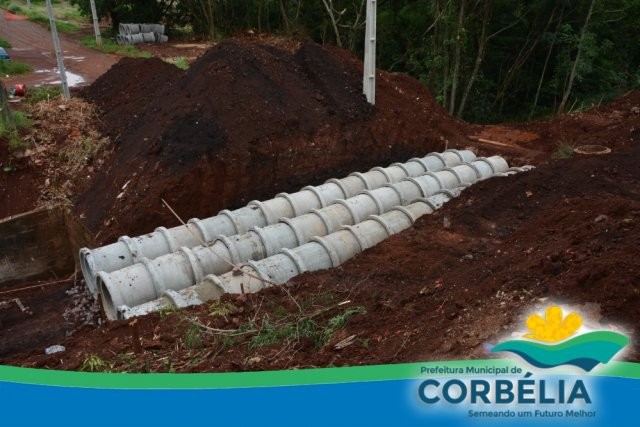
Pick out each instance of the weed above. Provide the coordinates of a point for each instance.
(94, 363)
(193, 339)
(165, 312)
(13, 68)
(4, 43)
(43, 93)
(129, 361)
(180, 62)
(364, 342)
(22, 121)
(219, 308)
(338, 322)
(564, 151)
(110, 46)
(321, 298)
(272, 333)
(15, 142)
(280, 311)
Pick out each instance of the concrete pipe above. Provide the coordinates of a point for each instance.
(321, 253)
(127, 250)
(145, 281)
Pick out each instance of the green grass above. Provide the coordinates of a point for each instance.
(320, 333)
(22, 121)
(13, 68)
(110, 46)
(94, 363)
(180, 62)
(68, 17)
(43, 93)
(4, 43)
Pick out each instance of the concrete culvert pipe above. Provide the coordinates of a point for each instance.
(142, 282)
(127, 251)
(321, 253)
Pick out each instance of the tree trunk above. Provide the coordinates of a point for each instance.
(574, 68)
(546, 63)
(482, 44)
(329, 7)
(522, 58)
(285, 18)
(457, 59)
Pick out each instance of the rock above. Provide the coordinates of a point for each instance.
(54, 349)
(600, 218)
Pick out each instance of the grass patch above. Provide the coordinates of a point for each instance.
(219, 308)
(180, 62)
(110, 46)
(43, 93)
(68, 16)
(564, 151)
(315, 326)
(13, 68)
(193, 339)
(22, 121)
(4, 43)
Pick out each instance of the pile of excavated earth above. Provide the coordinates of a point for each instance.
(252, 118)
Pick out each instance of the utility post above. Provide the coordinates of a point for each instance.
(96, 26)
(29, 4)
(369, 74)
(58, 49)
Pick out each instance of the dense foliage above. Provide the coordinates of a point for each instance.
(484, 60)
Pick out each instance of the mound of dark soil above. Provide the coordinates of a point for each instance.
(250, 119)
(123, 93)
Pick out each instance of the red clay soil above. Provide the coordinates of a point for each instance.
(457, 282)
(250, 119)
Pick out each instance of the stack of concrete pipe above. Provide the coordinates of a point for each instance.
(137, 284)
(127, 251)
(141, 33)
(319, 254)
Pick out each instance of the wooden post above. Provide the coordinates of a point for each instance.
(58, 49)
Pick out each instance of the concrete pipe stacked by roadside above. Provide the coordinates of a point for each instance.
(319, 254)
(127, 251)
(146, 281)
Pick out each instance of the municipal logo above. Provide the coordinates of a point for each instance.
(556, 340)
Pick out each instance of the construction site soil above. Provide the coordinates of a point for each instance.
(250, 119)
(246, 121)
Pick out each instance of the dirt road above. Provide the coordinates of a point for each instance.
(32, 44)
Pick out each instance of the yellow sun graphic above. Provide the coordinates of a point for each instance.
(553, 327)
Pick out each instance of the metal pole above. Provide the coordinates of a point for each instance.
(96, 27)
(4, 107)
(29, 3)
(369, 74)
(58, 49)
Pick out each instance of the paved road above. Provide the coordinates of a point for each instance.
(32, 43)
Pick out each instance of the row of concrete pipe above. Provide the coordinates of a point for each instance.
(318, 254)
(127, 251)
(145, 281)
